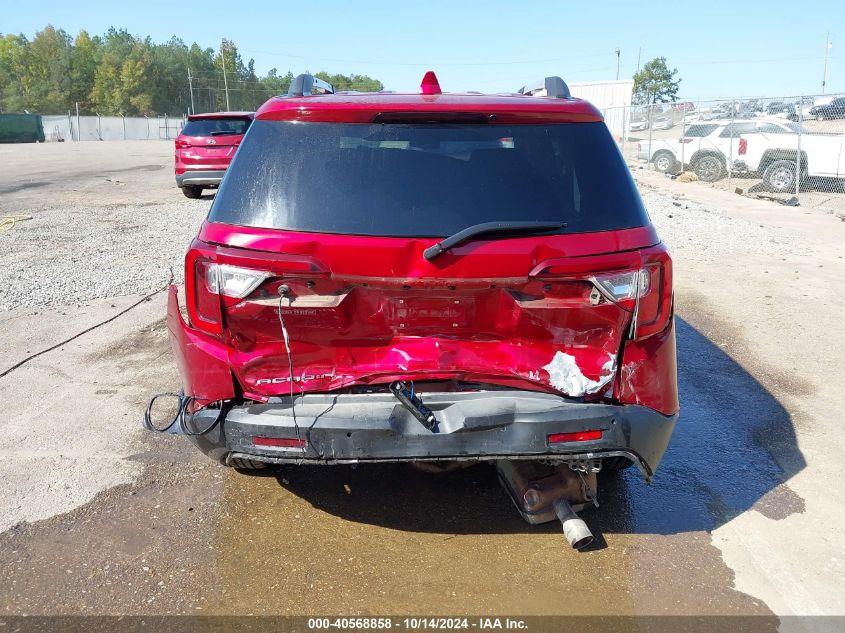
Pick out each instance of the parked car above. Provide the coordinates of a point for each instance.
(664, 116)
(205, 147)
(406, 277)
(767, 147)
(659, 116)
(705, 147)
(639, 119)
(835, 109)
(780, 107)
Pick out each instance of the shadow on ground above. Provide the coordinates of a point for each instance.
(733, 449)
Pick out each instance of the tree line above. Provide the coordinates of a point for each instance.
(121, 74)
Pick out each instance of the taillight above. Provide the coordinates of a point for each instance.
(622, 287)
(203, 306)
(743, 146)
(182, 143)
(646, 291)
(685, 140)
(212, 285)
(232, 281)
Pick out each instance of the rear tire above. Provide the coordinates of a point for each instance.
(779, 177)
(709, 168)
(192, 191)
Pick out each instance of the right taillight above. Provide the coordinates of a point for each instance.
(646, 291)
(638, 281)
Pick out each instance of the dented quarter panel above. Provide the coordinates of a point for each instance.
(648, 374)
(202, 361)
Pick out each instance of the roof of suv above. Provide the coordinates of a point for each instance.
(220, 115)
(364, 107)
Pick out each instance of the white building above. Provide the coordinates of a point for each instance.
(613, 98)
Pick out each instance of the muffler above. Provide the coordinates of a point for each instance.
(542, 492)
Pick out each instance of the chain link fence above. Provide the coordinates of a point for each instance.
(790, 149)
(70, 127)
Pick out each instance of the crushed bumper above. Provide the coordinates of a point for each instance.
(209, 177)
(349, 428)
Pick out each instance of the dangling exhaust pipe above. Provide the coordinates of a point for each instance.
(574, 528)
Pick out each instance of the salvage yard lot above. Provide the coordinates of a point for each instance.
(98, 516)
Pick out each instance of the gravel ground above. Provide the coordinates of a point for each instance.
(71, 255)
(705, 232)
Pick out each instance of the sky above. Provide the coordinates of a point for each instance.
(721, 49)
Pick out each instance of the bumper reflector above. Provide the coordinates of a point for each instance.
(577, 436)
(281, 442)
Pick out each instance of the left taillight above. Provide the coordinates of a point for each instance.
(743, 146)
(209, 284)
(181, 143)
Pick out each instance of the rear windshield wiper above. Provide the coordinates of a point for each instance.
(505, 229)
(224, 133)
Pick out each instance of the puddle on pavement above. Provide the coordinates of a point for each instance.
(388, 539)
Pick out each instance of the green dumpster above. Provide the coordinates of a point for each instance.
(21, 128)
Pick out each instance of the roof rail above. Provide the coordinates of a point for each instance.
(305, 85)
(555, 87)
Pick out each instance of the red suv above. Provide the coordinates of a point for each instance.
(205, 147)
(389, 277)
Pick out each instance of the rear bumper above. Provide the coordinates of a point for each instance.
(198, 177)
(348, 428)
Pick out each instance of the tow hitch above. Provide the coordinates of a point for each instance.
(543, 491)
(414, 404)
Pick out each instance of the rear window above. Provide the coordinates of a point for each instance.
(699, 131)
(216, 126)
(426, 179)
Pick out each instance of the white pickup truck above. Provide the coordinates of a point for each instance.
(768, 147)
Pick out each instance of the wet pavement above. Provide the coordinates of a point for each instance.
(190, 536)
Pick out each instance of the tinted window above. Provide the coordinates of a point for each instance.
(771, 128)
(215, 127)
(426, 179)
(698, 131)
(735, 129)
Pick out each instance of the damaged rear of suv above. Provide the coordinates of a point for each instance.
(422, 277)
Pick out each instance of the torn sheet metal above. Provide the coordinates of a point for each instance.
(567, 377)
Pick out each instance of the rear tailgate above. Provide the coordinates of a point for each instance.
(211, 143)
(372, 312)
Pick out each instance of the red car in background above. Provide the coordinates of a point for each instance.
(205, 148)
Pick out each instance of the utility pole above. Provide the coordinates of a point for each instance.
(618, 56)
(827, 47)
(191, 90)
(223, 44)
(639, 54)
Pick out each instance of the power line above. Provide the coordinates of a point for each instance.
(421, 65)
